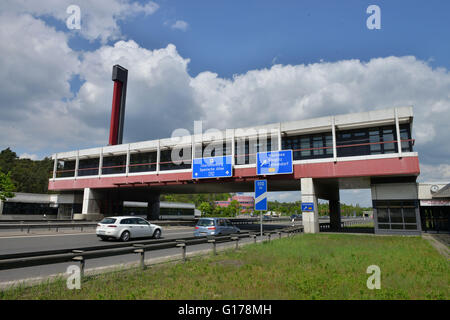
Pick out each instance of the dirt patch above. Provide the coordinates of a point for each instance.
(233, 263)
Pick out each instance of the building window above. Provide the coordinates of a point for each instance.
(22, 208)
(309, 146)
(143, 161)
(405, 134)
(88, 167)
(166, 162)
(65, 169)
(246, 149)
(371, 141)
(114, 164)
(396, 214)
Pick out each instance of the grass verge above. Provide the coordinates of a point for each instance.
(307, 266)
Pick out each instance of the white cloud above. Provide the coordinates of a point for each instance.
(38, 65)
(39, 112)
(28, 156)
(432, 173)
(180, 25)
(99, 19)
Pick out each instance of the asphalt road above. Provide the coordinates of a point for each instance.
(30, 243)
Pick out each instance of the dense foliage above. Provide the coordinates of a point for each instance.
(25, 174)
(206, 204)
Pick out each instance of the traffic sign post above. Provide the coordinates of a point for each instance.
(261, 199)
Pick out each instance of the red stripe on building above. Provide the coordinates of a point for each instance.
(341, 169)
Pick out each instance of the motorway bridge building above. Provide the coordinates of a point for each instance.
(373, 150)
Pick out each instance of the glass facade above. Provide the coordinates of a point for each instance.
(143, 162)
(166, 162)
(356, 142)
(65, 169)
(114, 164)
(396, 214)
(313, 146)
(247, 148)
(18, 208)
(435, 218)
(88, 167)
(370, 141)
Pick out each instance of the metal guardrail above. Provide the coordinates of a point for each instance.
(30, 259)
(48, 225)
(326, 226)
(75, 224)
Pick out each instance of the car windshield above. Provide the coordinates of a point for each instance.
(205, 222)
(108, 221)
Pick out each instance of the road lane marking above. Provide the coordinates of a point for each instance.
(74, 234)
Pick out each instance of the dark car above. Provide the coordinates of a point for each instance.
(214, 227)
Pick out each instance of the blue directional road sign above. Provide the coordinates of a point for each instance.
(274, 162)
(307, 206)
(213, 167)
(260, 195)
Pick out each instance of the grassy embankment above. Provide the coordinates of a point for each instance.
(308, 266)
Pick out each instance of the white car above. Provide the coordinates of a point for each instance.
(125, 228)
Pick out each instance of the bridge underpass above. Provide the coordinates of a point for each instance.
(365, 150)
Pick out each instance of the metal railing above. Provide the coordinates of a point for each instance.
(240, 156)
(326, 226)
(38, 258)
(50, 224)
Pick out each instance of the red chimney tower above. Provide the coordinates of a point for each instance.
(119, 76)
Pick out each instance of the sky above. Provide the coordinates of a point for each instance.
(228, 63)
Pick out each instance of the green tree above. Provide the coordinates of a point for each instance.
(205, 208)
(235, 207)
(6, 186)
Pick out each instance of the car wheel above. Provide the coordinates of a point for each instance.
(157, 234)
(125, 236)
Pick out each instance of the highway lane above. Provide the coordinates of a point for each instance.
(46, 270)
(31, 243)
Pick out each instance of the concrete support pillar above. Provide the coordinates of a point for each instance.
(127, 162)
(397, 129)
(55, 167)
(158, 157)
(1, 207)
(279, 137)
(100, 164)
(310, 219)
(153, 206)
(333, 131)
(335, 214)
(91, 205)
(77, 164)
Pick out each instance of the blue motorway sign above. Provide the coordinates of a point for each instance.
(260, 195)
(274, 162)
(213, 167)
(307, 206)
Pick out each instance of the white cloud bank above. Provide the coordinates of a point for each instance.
(99, 18)
(40, 113)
